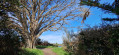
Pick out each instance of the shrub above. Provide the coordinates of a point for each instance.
(99, 40)
(70, 42)
(9, 42)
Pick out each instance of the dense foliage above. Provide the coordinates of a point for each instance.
(99, 40)
(10, 40)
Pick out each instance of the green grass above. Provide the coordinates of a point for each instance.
(27, 51)
(40, 46)
(59, 51)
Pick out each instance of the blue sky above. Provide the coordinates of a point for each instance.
(92, 20)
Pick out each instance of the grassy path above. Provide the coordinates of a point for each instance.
(48, 51)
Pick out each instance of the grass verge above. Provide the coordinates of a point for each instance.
(27, 51)
(59, 51)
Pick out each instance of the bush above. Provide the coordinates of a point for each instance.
(9, 42)
(70, 43)
(99, 40)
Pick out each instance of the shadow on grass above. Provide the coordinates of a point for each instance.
(27, 51)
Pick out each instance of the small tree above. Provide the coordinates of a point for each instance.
(71, 42)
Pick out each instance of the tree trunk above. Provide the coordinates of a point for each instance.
(29, 43)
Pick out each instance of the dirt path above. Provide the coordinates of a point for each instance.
(48, 51)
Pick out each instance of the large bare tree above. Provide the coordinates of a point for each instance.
(33, 17)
